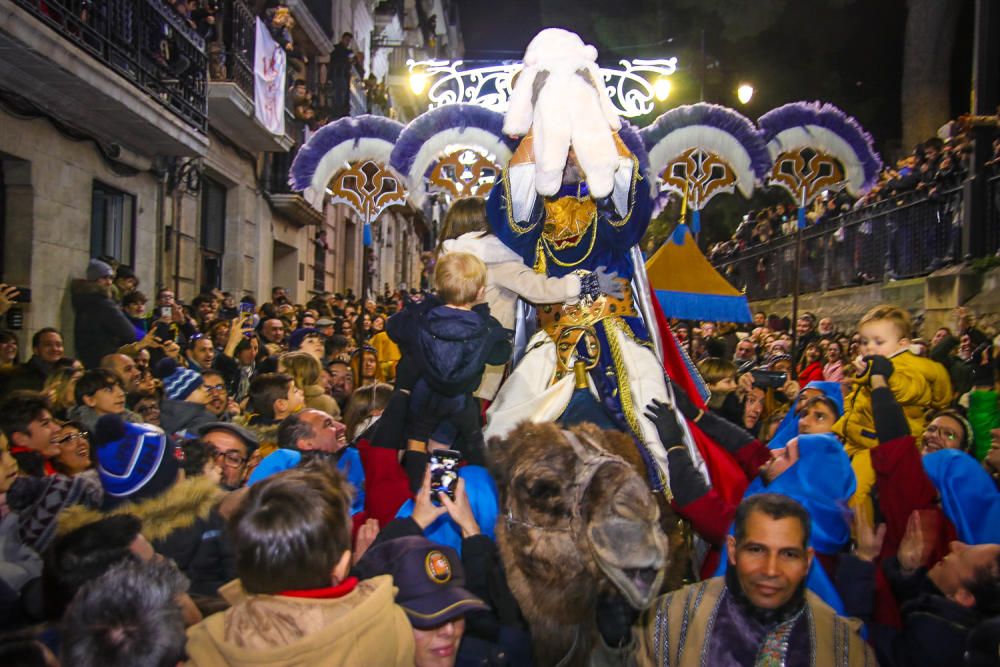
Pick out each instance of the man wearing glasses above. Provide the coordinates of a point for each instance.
(219, 404)
(232, 447)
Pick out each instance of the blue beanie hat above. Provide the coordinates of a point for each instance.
(134, 461)
(178, 382)
(299, 335)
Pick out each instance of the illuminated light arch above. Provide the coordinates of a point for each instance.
(631, 87)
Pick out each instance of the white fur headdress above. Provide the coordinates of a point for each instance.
(560, 97)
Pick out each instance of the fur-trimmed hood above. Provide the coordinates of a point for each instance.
(177, 509)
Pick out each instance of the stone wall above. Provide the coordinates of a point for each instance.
(931, 300)
(49, 183)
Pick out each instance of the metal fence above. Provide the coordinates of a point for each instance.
(145, 41)
(992, 235)
(233, 59)
(907, 236)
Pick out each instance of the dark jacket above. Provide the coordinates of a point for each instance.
(178, 416)
(934, 628)
(447, 347)
(100, 327)
(182, 524)
(29, 375)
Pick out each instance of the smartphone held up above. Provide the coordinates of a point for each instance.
(444, 472)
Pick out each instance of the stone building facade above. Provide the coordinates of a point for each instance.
(113, 143)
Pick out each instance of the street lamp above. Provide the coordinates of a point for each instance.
(418, 82)
(661, 89)
(744, 93)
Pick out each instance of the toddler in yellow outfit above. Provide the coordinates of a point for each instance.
(917, 383)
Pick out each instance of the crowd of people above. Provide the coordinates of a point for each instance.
(865, 241)
(230, 482)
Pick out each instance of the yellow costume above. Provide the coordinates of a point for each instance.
(388, 354)
(918, 385)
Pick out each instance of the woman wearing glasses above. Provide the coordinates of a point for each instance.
(74, 456)
(39, 500)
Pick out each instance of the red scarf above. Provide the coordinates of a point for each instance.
(328, 593)
(17, 449)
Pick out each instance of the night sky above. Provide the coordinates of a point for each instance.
(840, 51)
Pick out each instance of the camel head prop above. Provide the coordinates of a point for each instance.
(578, 522)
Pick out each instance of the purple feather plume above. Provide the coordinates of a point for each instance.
(440, 119)
(829, 117)
(718, 117)
(334, 134)
(632, 138)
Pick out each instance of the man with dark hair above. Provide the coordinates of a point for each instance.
(759, 607)
(294, 601)
(86, 553)
(218, 395)
(46, 350)
(339, 75)
(309, 435)
(128, 616)
(272, 331)
(939, 606)
(231, 445)
(205, 309)
(200, 353)
(27, 421)
(341, 381)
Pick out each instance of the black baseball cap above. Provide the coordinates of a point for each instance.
(428, 577)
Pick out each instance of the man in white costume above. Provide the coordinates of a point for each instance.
(572, 199)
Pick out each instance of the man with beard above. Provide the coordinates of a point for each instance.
(232, 446)
(218, 397)
(760, 607)
(341, 381)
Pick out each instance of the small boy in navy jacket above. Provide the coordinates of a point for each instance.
(446, 342)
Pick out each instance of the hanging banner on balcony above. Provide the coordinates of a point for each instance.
(269, 81)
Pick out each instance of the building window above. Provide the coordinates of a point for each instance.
(213, 233)
(112, 224)
(319, 261)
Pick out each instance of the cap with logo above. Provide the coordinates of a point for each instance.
(429, 578)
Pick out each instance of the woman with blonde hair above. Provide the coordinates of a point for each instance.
(60, 387)
(467, 229)
(305, 371)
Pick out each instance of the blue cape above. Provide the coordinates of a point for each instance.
(822, 481)
(286, 459)
(483, 498)
(968, 496)
(789, 426)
